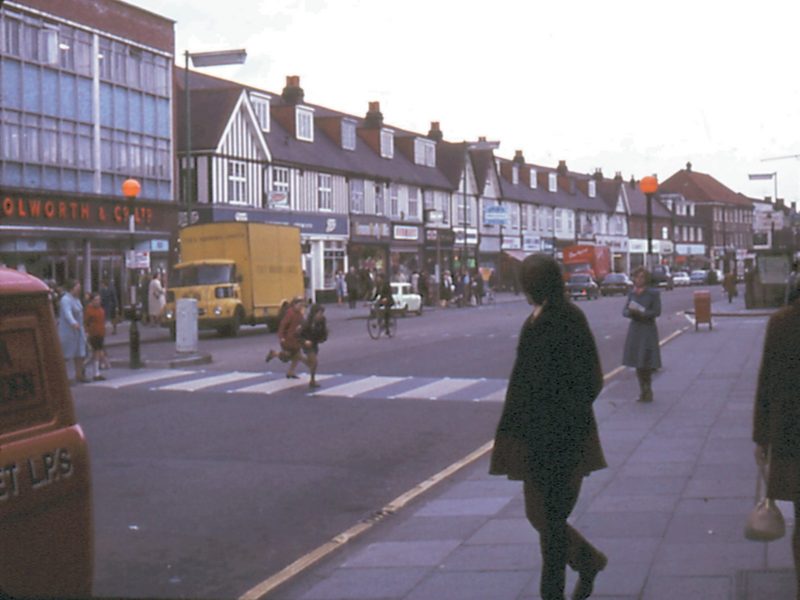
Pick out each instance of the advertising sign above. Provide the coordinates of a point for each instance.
(495, 214)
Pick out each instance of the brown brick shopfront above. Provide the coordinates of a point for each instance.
(58, 237)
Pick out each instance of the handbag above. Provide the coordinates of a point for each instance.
(765, 522)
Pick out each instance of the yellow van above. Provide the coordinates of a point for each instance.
(46, 536)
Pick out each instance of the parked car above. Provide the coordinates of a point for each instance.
(582, 286)
(661, 276)
(405, 300)
(616, 283)
(698, 277)
(681, 278)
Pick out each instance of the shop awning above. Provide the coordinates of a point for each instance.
(516, 254)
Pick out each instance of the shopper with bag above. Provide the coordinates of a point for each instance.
(313, 333)
(642, 350)
(776, 418)
(289, 336)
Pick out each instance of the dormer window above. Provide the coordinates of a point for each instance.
(552, 182)
(592, 189)
(304, 124)
(261, 109)
(348, 134)
(424, 152)
(387, 143)
(515, 174)
(534, 183)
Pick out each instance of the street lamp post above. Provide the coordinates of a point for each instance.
(201, 59)
(649, 186)
(130, 190)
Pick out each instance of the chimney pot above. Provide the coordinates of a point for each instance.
(374, 118)
(518, 157)
(562, 167)
(293, 93)
(435, 132)
(688, 166)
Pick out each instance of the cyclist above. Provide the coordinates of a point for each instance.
(384, 302)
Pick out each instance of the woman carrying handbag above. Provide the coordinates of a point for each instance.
(776, 417)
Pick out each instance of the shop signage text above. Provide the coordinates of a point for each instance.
(73, 211)
(406, 232)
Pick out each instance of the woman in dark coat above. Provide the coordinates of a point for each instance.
(313, 333)
(641, 344)
(547, 436)
(776, 418)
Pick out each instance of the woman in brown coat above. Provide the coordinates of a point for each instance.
(547, 435)
(776, 418)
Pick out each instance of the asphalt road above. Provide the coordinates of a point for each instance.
(206, 493)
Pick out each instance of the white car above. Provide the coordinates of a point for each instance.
(681, 278)
(405, 300)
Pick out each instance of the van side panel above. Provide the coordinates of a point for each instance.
(46, 532)
(276, 268)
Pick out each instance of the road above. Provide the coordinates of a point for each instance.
(205, 490)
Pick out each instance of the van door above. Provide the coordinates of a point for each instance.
(46, 539)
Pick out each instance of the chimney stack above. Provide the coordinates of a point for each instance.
(633, 182)
(293, 93)
(689, 166)
(562, 167)
(598, 174)
(618, 176)
(435, 133)
(374, 118)
(518, 157)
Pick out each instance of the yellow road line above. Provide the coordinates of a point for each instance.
(304, 562)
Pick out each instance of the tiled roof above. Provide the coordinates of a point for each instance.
(211, 109)
(638, 202)
(701, 187)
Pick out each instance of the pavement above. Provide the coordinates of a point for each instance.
(669, 511)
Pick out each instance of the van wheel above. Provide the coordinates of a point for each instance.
(233, 328)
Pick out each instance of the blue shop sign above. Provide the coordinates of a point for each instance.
(308, 223)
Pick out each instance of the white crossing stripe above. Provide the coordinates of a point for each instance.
(497, 396)
(205, 382)
(143, 377)
(360, 386)
(436, 389)
(277, 385)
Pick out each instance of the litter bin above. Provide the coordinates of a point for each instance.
(702, 309)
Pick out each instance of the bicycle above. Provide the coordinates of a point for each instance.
(377, 323)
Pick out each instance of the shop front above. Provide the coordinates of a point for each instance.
(618, 246)
(438, 250)
(57, 237)
(324, 237)
(663, 251)
(369, 243)
(405, 251)
(465, 248)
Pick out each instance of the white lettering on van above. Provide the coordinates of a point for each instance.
(49, 467)
(8, 481)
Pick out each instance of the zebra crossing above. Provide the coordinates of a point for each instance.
(332, 385)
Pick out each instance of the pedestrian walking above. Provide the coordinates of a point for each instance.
(729, 285)
(477, 287)
(547, 435)
(423, 288)
(352, 283)
(95, 322)
(70, 328)
(157, 299)
(341, 286)
(289, 337)
(776, 417)
(447, 287)
(108, 299)
(313, 333)
(642, 350)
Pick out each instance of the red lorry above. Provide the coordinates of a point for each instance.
(587, 258)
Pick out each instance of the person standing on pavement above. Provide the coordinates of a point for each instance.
(776, 416)
(289, 336)
(70, 328)
(95, 322)
(313, 333)
(108, 299)
(547, 435)
(341, 287)
(729, 285)
(352, 283)
(642, 350)
(157, 299)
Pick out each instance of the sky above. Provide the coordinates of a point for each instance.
(635, 86)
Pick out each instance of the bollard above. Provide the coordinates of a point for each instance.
(134, 342)
(702, 309)
(186, 325)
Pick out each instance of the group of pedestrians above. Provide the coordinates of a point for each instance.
(299, 337)
(82, 331)
(465, 288)
(547, 435)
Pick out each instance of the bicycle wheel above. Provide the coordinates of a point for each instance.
(391, 326)
(374, 326)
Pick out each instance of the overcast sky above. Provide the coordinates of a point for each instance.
(635, 86)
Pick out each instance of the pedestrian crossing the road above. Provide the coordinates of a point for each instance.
(332, 385)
